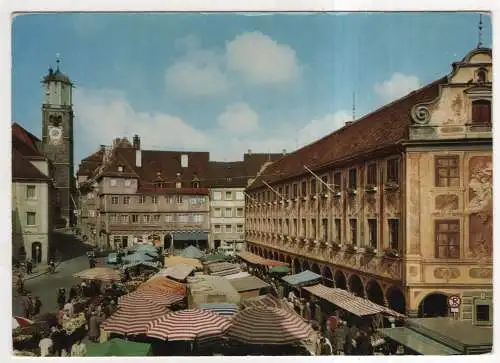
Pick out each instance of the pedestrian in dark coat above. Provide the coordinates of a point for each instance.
(363, 345)
(348, 346)
(73, 293)
(61, 297)
(58, 338)
(38, 305)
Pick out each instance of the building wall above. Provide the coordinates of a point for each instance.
(24, 235)
(233, 200)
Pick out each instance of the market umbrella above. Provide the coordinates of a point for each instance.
(267, 300)
(265, 325)
(149, 297)
(119, 348)
(192, 252)
(193, 324)
(20, 322)
(280, 269)
(133, 320)
(105, 274)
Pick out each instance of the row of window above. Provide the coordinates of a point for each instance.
(142, 199)
(155, 218)
(228, 228)
(447, 175)
(228, 195)
(228, 212)
(447, 233)
(352, 238)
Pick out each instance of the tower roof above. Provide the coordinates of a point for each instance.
(56, 76)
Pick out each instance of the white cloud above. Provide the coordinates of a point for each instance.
(102, 115)
(399, 85)
(317, 128)
(260, 59)
(199, 73)
(238, 118)
(207, 72)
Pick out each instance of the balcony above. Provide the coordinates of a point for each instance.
(351, 248)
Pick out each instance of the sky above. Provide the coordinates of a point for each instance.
(226, 82)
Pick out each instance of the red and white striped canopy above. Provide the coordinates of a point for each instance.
(266, 325)
(151, 297)
(105, 274)
(193, 324)
(133, 321)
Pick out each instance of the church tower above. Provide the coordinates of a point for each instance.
(57, 140)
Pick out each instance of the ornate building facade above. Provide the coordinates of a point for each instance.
(396, 206)
(129, 196)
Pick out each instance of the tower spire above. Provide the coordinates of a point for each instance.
(354, 106)
(58, 60)
(480, 31)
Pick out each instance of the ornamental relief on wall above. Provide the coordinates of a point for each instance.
(481, 273)
(480, 207)
(446, 273)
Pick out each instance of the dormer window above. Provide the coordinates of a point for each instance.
(196, 184)
(120, 168)
(178, 185)
(481, 112)
(158, 174)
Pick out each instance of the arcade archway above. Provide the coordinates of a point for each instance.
(305, 266)
(396, 300)
(296, 266)
(328, 277)
(374, 292)
(433, 305)
(36, 252)
(356, 286)
(275, 256)
(340, 280)
(315, 269)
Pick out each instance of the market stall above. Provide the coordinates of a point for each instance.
(223, 269)
(179, 272)
(249, 286)
(175, 260)
(266, 301)
(211, 289)
(119, 348)
(133, 320)
(224, 309)
(106, 274)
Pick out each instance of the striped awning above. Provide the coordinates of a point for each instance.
(224, 309)
(264, 325)
(180, 271)
(349, 302)
(189, 325)
(133, 320)
(252, 258)
(305, 277)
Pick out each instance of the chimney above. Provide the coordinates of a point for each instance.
(137, 142)
(283, 151)
(138, 158)
(116, 142)
(103, 148)
(249, 152)
(184, 161)
(348, 123)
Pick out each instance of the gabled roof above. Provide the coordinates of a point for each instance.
(254, 162)
(227, 174)
(23, 170)
(387, 126)
(25, 142)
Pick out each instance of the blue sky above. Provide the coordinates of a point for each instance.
(226, 83)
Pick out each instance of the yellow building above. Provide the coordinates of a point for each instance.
(396, 206)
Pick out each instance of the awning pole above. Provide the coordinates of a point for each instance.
(319, 179)
(273, 190)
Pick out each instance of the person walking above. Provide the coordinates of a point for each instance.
(45, 345)
(61, 297)
(29, 267)
(20, 283)
(37, 305)
(94, 327)
(348, 342)
(58, 340)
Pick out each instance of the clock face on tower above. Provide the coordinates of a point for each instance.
(55, 134)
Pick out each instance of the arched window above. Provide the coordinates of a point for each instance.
(481, 76)
(196, 184)
(481, 112)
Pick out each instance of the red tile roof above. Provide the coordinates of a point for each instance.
(23, 170)
(223, 174)
(25, 142)
(385, 127)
